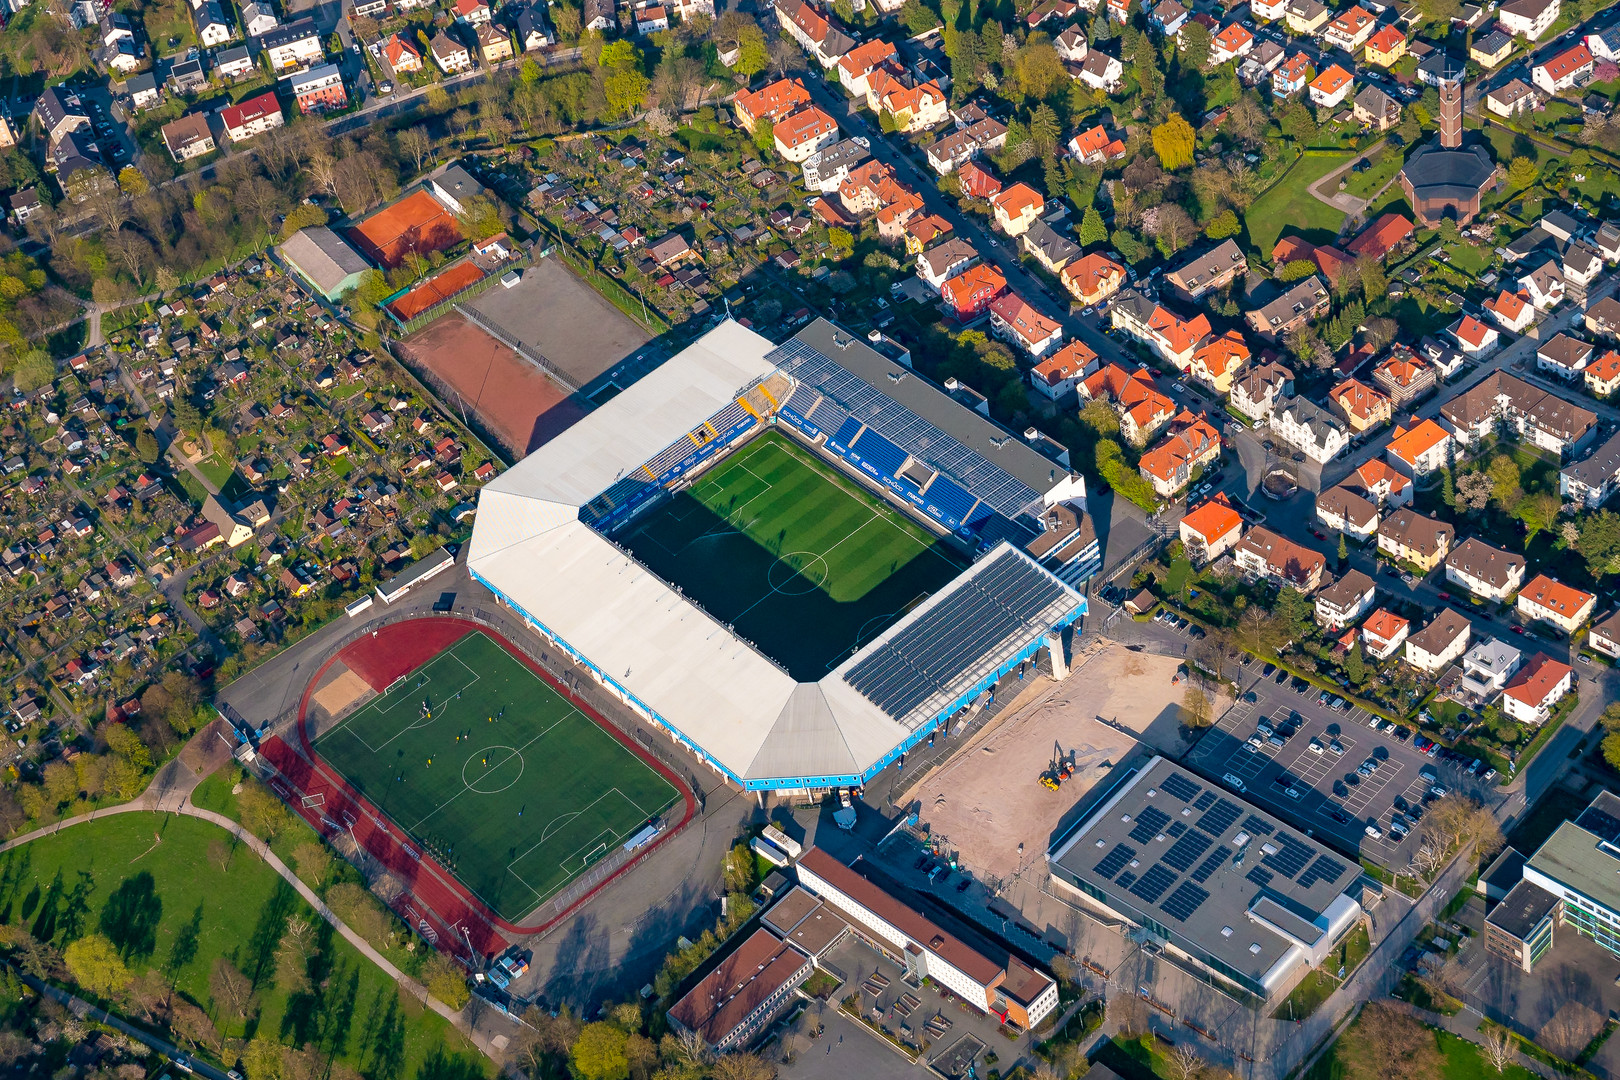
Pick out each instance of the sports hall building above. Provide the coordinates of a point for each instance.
(544, 545)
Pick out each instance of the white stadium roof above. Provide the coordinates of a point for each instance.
(689, 672)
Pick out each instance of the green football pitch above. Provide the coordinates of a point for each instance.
(480, 760)
(800, 560)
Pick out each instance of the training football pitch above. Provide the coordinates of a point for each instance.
(481, 761)
(800, 560)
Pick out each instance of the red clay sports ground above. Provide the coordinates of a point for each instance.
(435, 903)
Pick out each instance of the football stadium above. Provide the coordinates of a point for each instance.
(799, 561)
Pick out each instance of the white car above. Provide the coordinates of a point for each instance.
(1314, 747)
(1373, 831)
(1233, 781)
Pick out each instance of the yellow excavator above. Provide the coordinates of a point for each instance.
(1059, 770)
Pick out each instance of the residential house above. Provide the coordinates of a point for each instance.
(1049, 247)
(826, 170)
(1386, 46)
(1257, 391)
(944, 261)
(1564, 356)
(1102, 72)
(1291, 76)
(1473, 337)
(1564, 71)
(1513, 98)
(449, 54)
(1190, 445)
(1487, 667)
(814, 32)
(401, 54)
(1071, 45)
(1332, 262)
(1213, 270)
(1096, 146)
(966, 144)
(773, 102)
(1383, 634)
(1404, 377)
(188, 137)
(1023, 327)
(1489, 50)
(1511, 312)
(805, 132)
(1057, 376)
(1439, 643)
(1588, 483)
(1362, 407)
(651, 18)
(258, 18)
(143, 90)
(1210, 529)
(1343, 510)
(208, 17)
(1543, 287)
(1419, 450)
(1549, 600)
(1017, 208)
(1265, 554)
(1309, 428)
(1540, 418)
(1603, 374)
(1604, 637)
(471, 12)
(254, 116)
(1143, 408)
(1217, 360)
(1527, 18)
(1329, 89)
(1231, 42)
(1306, 17)
(494, 43)
(970, 293)
(1540, 685)
(1093, 278)
(913, 106)
(1169, 336)
(1381, 237)
(534, 29)
(1291, 310)
(1350, 29)
(1603, 317)
(1346, 600)
(296, 44)
(318, 90)
(1487, 572)
(1376, 109)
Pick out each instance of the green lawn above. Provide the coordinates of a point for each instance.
(218, 470)
(476, 757)
(800, 559)
(1385, 164)
(171, 873)
(1316, 987)
(1459, 1060)
(1290, 205)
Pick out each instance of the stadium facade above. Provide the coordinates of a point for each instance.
(543, 545)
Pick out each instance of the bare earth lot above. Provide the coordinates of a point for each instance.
(517, 404)
(563, 319)
(987, 799)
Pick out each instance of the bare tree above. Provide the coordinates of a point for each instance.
(1498, 1047)
(1184, 1063)
(416, 142)
(230, 988)
(1388, 1045)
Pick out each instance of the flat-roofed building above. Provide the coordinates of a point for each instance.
(1197, 890)
(1520, 927)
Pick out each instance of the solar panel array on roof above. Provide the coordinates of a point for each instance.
(1176, 829)
(1290, 857)
(1325, 868)
(1220, 818)
(1185, 851)
(1257, 827)
(1185, 901)
(1205, 801)
(1126, 879)
(1259, 875)
(1152, 884)
(905, 429)
(1115, 860)
(1149, 820)
(1181, 787)
(1006, 595)
(1211, 863)
(1599, 823)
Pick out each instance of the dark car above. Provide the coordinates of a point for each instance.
(1265, 672)
(1282, 677)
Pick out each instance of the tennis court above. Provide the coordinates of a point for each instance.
(799, 559)
(480, 762)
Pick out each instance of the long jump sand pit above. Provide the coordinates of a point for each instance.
(987, 799)
(514, 401)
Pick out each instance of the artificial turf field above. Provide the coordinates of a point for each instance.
(516, 788)
(800, 560)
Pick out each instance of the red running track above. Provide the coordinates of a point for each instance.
(434, 894)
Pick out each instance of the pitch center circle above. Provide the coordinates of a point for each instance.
(809, 576)
(486, 779)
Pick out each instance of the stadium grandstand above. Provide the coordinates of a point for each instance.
(764, 461)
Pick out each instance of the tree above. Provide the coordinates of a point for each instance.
(230, 988)
(600, 1053)
(1387, 1045)
(133, 182)
(1296, 270)
(1195, 43)
(34, 370)
(1522, 172)
(95, 965)
(1611, 749)
(1174, 142)
(916, 18)
(624, 83)
(1184, 1063)
(1474, 491)
(764, 135)
(1344, 550)
(1598, 542)
(445, 981)
(1538, 511)
(1497, 1046)
(1092, 229)
(1223, 225)
(1100, 417)
(753, 55)
(1197, 710)
(1355, 668)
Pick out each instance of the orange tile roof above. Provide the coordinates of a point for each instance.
(1223, 354)
(1555, 596)
(1473, 332)
(1568, 62)
(1295, 67)
(1233, 36)
(864, 57)
(1605, 368)
(774, 101)
(1536, 681)
(1402, 370)
(1386, 39)
(1381, 236)
(1213, 518)
(1179, 334)
(1015, 200)
(1376, 472)
(1509, 306)
(961, 289)
(1067, 363)
(1351, 20)
(1409, 444)
(1088, 273)
(1330, 81)
(397, 49)
(1357, 398)
(1384, 625)
(1092, 141)
(803, 126)
(1025, 321)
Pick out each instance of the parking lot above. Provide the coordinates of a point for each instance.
(1319, 778)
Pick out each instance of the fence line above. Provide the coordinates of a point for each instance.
(533, 357)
